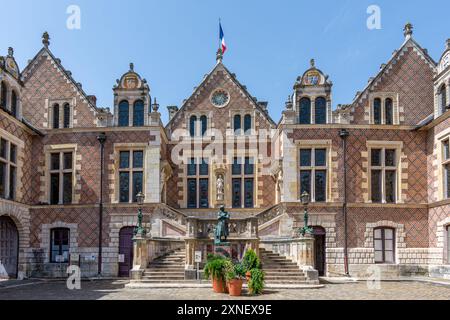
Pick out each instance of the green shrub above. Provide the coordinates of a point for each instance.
(251, 260)
(215, 267)
(256, 283)
(234, 271)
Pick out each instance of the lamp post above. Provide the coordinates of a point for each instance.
(101, 139)
(305, 229)
(344, 134)
(140, 231)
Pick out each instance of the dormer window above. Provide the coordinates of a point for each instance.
(66, 117)
(382, 110)
(138, 113)
(4, 95)
(244, 122)
(124, 114)
(198, 127)
(443, 98)
(61, 115)
(55, 116)
(305, 111)
(320, 111)
(14, 103)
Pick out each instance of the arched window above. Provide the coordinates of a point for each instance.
(388, 111)
(4, 94)
(66, 115)
(14, 103)
(247, 124)
(192, 124)
(384, 245)
(377, 111)
(204, 123)
(124, 115)
(443, 98)
(321, 111)
(237, 124)
(138, 113)
(56, 116)
(305, 111)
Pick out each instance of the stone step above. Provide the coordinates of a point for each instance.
(284, 273)
(163, 278)
(287, 278)
(162, 272)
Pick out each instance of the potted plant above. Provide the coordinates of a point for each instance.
(250, 262)
(256, 283)
(215, 269)
(235, 278)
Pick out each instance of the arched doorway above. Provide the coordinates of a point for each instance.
(319, 249)
(125, 251)
(9, 246)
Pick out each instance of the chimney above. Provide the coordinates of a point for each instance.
(263, 105)
(93, 100)
(172, 110)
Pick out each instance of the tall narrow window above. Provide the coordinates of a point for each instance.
(131, 175)
(377, 111)
(66, 115)
(4, 95)
(237, 124)
(247, 124)
(124, 114)
(56, 116)
(321, 111)
(138, 113)
(204, 124)
(305, 111)
(243, 171)
(59, 245)
(388, 111)
(14, 103)
(443, 98)
(384, 244)
(446, 167)
(313, 173)
(198, 183)
(383, 175)
(192, 125)
(8, 169)
(61, 177)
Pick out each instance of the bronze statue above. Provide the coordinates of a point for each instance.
(222, 230)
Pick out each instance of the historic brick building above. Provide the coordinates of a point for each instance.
(377, 170)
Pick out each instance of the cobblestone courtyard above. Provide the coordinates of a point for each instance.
(115, 290)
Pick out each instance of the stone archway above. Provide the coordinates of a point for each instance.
(9, 248)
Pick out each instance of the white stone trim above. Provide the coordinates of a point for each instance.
(44, 237)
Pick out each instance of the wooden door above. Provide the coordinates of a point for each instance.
(319, 249)
(126, 251)
(9, 246)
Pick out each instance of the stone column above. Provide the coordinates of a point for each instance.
(303, 251)
(140, 257)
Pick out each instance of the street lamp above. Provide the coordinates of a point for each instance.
(140, 231)
(305, 198)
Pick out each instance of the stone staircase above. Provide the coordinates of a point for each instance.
(166, 269)
(280, 270)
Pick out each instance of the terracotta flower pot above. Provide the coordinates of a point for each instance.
(248, 276)
(219, 285)
(235, 287)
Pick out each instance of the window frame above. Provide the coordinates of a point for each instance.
(137, 113)
(442, 98)
(199, 179)
(243, 117)
(130, 170)
(10, 166)
(121, 113)
(383, 98)
(300, 108)
(383, 242)
(4, 95)
(61, 171)
(383, 168)
(312, 169)
(60, 249)
(243, 177)
(324, 107)
(445, 165)
(198, 125)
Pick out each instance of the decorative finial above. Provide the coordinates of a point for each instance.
(46, 39)
(131, 66)
(155, 106)
(10, 52)
(313, 63)
(289, 103)
(219, 55)
(408, 30)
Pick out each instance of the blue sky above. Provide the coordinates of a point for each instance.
(173, 43)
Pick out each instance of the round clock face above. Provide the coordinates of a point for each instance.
(220, 98)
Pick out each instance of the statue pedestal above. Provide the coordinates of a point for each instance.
(223, 249)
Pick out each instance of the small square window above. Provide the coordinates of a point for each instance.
(390, 158)
(375, 156)
(124, 159)
(321, 157)
(54, 161)
(305, 157)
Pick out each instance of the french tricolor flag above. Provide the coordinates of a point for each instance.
(222, 39)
